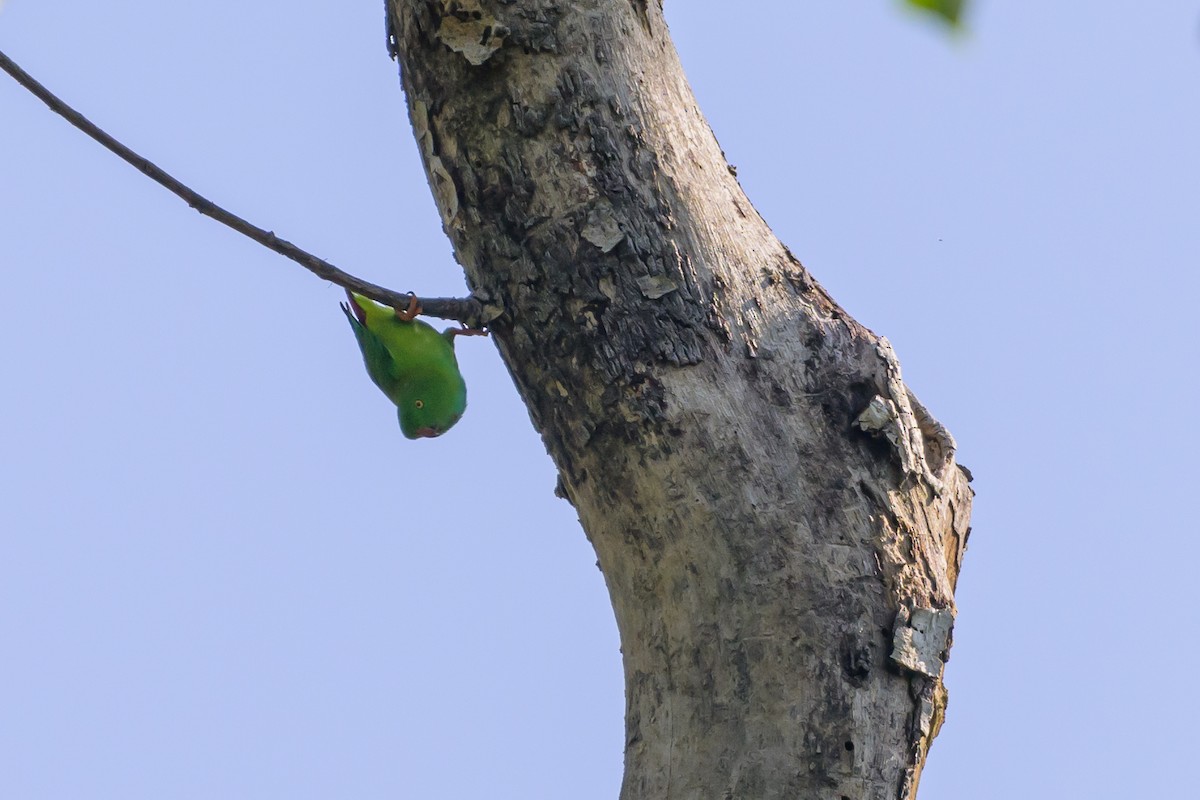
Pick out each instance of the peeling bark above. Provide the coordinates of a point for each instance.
(779, 521)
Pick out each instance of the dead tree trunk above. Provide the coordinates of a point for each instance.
(780, 523)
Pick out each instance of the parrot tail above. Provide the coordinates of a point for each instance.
(359, 314)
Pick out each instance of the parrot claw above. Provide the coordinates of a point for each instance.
(410, 313)
(466, 332)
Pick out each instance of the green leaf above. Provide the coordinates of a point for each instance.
(949, 10)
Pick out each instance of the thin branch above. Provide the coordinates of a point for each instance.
(464, 309)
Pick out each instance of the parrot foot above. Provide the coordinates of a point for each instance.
(410, 313)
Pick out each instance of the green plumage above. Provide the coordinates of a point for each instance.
(951, 11)
(412, 364)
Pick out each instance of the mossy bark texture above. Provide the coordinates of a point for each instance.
(779, 521)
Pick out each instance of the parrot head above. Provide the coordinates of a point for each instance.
(429, 408)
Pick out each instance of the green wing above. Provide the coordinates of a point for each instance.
(375, 355)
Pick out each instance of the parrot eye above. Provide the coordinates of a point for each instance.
(419, 404)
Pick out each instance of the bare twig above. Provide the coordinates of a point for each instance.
(464, 309)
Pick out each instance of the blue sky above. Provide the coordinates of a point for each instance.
(224, 573)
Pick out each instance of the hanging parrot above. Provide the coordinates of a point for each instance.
(412, 363)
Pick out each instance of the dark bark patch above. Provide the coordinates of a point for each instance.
(858, 656)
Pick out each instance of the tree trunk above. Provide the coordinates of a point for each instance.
(779, 522)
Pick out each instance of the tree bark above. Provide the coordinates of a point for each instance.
(779, 521)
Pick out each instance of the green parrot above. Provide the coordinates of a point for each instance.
(412, 363)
